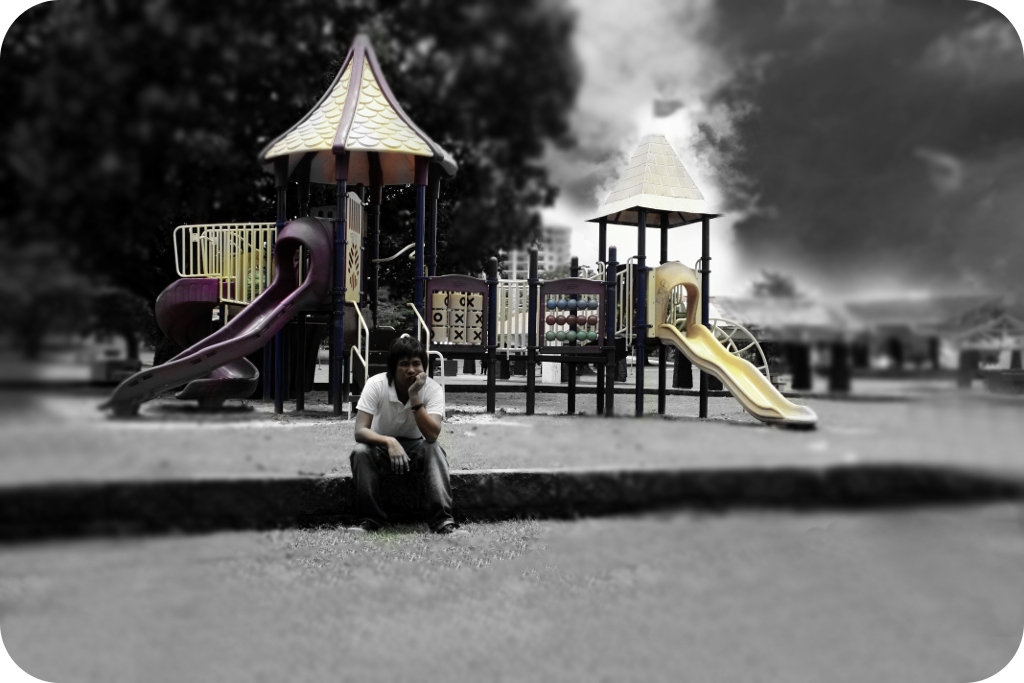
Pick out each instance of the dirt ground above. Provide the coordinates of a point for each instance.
(61, 436)
(925, 595)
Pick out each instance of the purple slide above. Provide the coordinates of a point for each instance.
(246, 333)
(183, 314)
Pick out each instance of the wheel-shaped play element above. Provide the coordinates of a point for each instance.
(738, 341)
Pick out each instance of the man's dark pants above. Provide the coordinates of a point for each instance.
(370, 463)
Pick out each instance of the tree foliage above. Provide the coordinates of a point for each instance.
(124, 119)
(777, 285)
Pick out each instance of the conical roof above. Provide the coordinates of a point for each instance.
(656, 180)
(358, 114)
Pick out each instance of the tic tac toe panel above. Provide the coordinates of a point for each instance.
(457, 311)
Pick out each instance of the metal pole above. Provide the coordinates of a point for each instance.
(300, 376)
(601, 258)
(339, 381)
(273, 363)
(531, 335)
(662, 350)
(609, 334)
(574, 271)
(302, 172)
(492, 331)
(433, 192)
(421, 215)
(641, 307)
(705, 283)
(376, 193)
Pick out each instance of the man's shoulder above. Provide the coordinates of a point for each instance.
(377, 385)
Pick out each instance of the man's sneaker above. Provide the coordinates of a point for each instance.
(449, 529)
(368, 525)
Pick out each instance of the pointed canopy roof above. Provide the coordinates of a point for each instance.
(358, 114)
(656, 180)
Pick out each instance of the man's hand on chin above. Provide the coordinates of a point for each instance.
(417, 386)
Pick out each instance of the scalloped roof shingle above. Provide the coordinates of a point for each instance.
(364, 120)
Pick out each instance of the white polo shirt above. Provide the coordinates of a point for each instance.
(391, 417)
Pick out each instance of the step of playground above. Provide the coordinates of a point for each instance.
(42, 511)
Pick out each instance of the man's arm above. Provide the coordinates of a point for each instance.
(429, 425)
(364, 434)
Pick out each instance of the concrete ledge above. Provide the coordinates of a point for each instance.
(82, 509)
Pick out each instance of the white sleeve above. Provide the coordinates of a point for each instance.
(434, 400)
(369, 397)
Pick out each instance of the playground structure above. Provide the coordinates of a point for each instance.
(324, 266)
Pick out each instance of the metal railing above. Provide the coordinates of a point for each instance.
(624, 283)
(362, 342)
(513, 316)
(240, 255)
(422, 328)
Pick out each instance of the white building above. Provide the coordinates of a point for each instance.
(554, 249)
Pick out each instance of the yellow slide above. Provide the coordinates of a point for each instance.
(742, 379)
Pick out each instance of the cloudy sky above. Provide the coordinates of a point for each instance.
(865, 146)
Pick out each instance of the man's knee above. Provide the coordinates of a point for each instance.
(362, 454)
(433, 452)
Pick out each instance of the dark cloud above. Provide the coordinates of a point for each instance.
(883, 139)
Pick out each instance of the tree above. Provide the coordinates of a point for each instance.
(556, 273)
(772, 284)
(113, 310)
(125, 119)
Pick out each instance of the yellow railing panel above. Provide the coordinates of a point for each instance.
(239, 254)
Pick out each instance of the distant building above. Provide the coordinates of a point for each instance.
(554, 249)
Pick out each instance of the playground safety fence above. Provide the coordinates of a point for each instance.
(513, 316)
(624, 284)
(240, 255)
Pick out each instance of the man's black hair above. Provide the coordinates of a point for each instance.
(404, 347)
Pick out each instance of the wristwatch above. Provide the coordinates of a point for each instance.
(415, 408)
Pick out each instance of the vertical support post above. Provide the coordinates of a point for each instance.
(364, 258)
(492, 332)
(421, 216)
(531, 335)
(839, 368)
(968, 368)
(302, 173)
(433, 193)
(662, 349)
(640, 348)
(300, 354)
(376, 193)
(609, 334)
(602, 255)
(574, 271)
(272, 355)
(339, 380)
(705, 299)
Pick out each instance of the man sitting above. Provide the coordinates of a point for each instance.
(397, 425)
